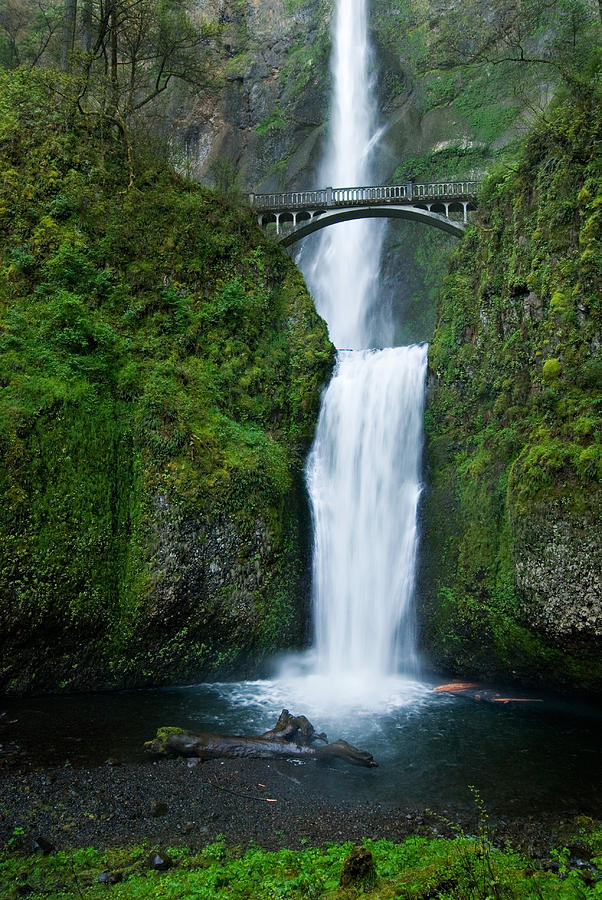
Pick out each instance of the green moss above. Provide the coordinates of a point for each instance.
(441, 165)
(158, 744)
(589, 464)
(508, 437)
(414, 869)
(164, 733)
(156, 353)
(275, 122)
(551, 369)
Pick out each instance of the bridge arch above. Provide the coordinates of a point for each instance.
(386, 211)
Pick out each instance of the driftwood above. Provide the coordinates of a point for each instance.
(292, 737)
(475, 692)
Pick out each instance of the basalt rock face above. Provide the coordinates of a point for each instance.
(511, 572)
(558, 561)
(223, 595)
(264, 113)
(262, 121)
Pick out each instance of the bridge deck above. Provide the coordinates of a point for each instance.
(377, 195)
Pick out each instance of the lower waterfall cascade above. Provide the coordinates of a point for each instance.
(364, 482)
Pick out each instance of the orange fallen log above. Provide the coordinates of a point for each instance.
(455, 687)
(475, 692)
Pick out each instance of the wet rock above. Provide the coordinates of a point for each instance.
(580, 851)
(159, 861)
(110, 877)
(42, 845)
(358, 869)
(558, 562)
(158, 808)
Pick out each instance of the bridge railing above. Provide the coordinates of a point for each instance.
(379, 194)
(396, 193)
(293, 200)
(445, 189)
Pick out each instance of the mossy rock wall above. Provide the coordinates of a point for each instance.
(511, 562)
(264, 112)
(160, 371)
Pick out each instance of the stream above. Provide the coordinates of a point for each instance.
(524, 758)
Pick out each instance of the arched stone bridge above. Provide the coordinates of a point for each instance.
(433, 203)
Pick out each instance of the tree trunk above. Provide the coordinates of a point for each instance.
(293, 737)
(475, 692)
(68, 34)
(114, 88)
(86, 26)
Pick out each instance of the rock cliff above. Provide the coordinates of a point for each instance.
(264, 114)
(512, 559)
(261, 122)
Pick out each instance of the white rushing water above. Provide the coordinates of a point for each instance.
(364, 482)
(342, 268)
(363, 472)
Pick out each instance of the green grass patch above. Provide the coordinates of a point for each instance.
(462, 868)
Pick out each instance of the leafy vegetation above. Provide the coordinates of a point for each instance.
(125, 54)
(463, 868)
(160, 363)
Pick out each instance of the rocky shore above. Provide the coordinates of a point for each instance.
(185, 802)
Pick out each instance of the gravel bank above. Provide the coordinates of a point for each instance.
(171, 802)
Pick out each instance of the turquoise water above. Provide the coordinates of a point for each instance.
(524, 758)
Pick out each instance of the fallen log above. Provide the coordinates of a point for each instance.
(292, 737)
(475, 692)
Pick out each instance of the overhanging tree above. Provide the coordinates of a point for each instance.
(122, 54)
(551, 33)
(125, 52)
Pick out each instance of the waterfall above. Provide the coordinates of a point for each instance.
(363, 479)
(343, 267)
(363, 472)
